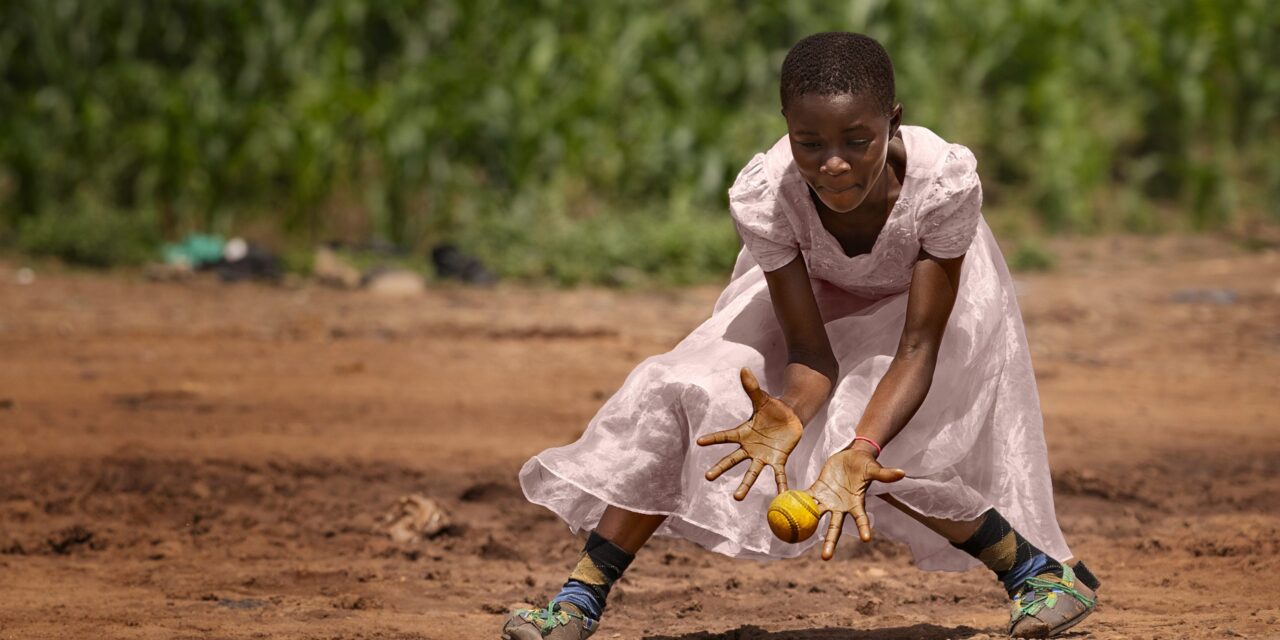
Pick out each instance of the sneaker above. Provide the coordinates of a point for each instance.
(559, 621)
(1048, 605)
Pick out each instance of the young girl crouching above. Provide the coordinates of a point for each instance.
(864, 245)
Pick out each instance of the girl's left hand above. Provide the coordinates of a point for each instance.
(841, 488)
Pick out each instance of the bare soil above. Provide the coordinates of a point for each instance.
(199, 460)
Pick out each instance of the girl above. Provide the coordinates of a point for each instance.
(863, 245)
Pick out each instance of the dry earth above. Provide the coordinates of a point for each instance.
(198, 460)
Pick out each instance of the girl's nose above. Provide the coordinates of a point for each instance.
(834, 166)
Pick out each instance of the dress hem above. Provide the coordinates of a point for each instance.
(706, 536)
(753, 553)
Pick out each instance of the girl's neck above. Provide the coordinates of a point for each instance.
(858, 230)
(884, 193)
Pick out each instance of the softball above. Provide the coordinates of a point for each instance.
(793, 516)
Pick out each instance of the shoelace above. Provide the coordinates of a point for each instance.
(549, 618)
(1041, 590)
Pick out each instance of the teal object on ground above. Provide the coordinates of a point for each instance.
(197, 249)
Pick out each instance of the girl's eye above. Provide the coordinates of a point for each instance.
(859, 143)
(811, 145)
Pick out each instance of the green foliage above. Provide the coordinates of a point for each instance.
(444, 119)
(1031, 255)
(90, 238)
(627, 249)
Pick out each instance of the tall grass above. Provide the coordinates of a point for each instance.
(534, 132)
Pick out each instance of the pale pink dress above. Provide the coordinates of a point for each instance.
(976, 442)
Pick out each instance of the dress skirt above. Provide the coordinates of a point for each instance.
(976, 442)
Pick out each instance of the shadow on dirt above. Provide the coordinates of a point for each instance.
(913, 632)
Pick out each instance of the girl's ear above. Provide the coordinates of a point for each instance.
(895, 119)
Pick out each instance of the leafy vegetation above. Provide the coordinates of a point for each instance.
(576, 141)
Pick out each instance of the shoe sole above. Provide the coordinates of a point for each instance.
(1060, 629)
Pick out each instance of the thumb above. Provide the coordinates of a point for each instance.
(889, 475)
(752, 387)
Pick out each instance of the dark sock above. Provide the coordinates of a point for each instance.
(600, 565)
(1007, 553)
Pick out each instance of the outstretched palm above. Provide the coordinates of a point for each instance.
(766, 438)
(841, 488)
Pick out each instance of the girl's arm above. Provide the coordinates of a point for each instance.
(842, 484)
(776, 424)
(812, 368)
(934, 283)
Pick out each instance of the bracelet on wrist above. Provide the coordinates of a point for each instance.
(869, 441)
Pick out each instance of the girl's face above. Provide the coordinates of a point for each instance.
(840, 143)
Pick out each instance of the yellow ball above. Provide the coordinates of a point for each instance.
(793, 516)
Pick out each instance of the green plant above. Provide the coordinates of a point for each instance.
(90, 238)
(1031, 255)
(424, 121)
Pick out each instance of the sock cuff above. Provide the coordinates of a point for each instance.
(583, 596)
(993, 528)
(607, 554)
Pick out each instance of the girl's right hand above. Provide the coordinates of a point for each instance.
(767, 438)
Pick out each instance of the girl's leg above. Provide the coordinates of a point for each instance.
(627, 529)
(609, 551)
(954, 531)
(990, 539)
(1054, 601)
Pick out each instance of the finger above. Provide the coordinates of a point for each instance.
(752, 388)
(756, 467)
(721, 437)
(817, 497)
(889, 475)
(726, 463)
(860, 518)
(833, 535)
(780, 475)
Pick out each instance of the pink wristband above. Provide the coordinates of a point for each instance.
(870, 442)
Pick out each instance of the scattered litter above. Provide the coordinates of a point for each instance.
(233, 260)
(452, 263)
(1205, 296)
(245, 261)
(396, 283)
(415, 518)
(332, 270)
(235, 250)
(196, 250)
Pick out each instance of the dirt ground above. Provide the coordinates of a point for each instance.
(199, 460)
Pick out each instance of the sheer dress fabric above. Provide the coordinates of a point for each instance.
(976, 442)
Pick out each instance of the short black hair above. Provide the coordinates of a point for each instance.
(838, 62)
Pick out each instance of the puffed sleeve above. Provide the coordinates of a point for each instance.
(764, 229)
(953, 205)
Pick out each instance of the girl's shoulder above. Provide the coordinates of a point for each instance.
(765, 207)
(931, 158)
(946, 191)
(764, 174)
